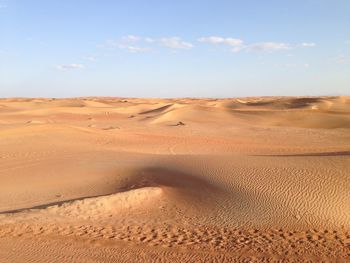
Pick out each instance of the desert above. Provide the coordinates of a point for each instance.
(109, 179)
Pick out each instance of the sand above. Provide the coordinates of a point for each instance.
(175, 180)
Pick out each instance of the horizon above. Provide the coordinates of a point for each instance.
(129, 99)
(187, 49)
(178, 98)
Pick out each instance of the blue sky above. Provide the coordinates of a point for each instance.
(177, 48)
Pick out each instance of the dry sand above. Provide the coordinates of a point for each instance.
(185, 180)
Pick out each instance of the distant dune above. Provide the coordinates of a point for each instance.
(103, 179)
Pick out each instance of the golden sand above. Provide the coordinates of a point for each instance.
(175, 180)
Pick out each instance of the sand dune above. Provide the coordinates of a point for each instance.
(165, 180)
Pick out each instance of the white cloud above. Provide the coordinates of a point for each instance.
(174, 43)
(137, 44)
(149, 40)
(135, 49)
(269, 46)
(131, 43)
(234, 42)
(237, 44)
(308, 44)
(130, 39)
(72, 66)
(347, 42)
(122, 42)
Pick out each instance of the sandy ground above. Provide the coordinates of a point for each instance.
(185, 180)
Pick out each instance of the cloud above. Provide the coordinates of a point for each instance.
(277, 46)
(234, 42)
(306, 44)
(130, 43)
(135, 49)
(122, 42)
(347, 42)
(130, 39)
(269, 46)
(149, 40)
(174, 43)
(237, 44)
(72, 66)
(137, 44)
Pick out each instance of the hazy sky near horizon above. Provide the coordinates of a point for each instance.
(183, 48)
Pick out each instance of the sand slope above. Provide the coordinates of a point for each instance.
(186, 180)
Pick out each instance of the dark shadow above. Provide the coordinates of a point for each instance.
(180, 123)
(259, 103)
(303, 102)
(149, 177)
(59, 203)
(157, 110)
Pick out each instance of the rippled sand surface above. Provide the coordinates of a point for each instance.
(175, 180)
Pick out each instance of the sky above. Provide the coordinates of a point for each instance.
(182, 48)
